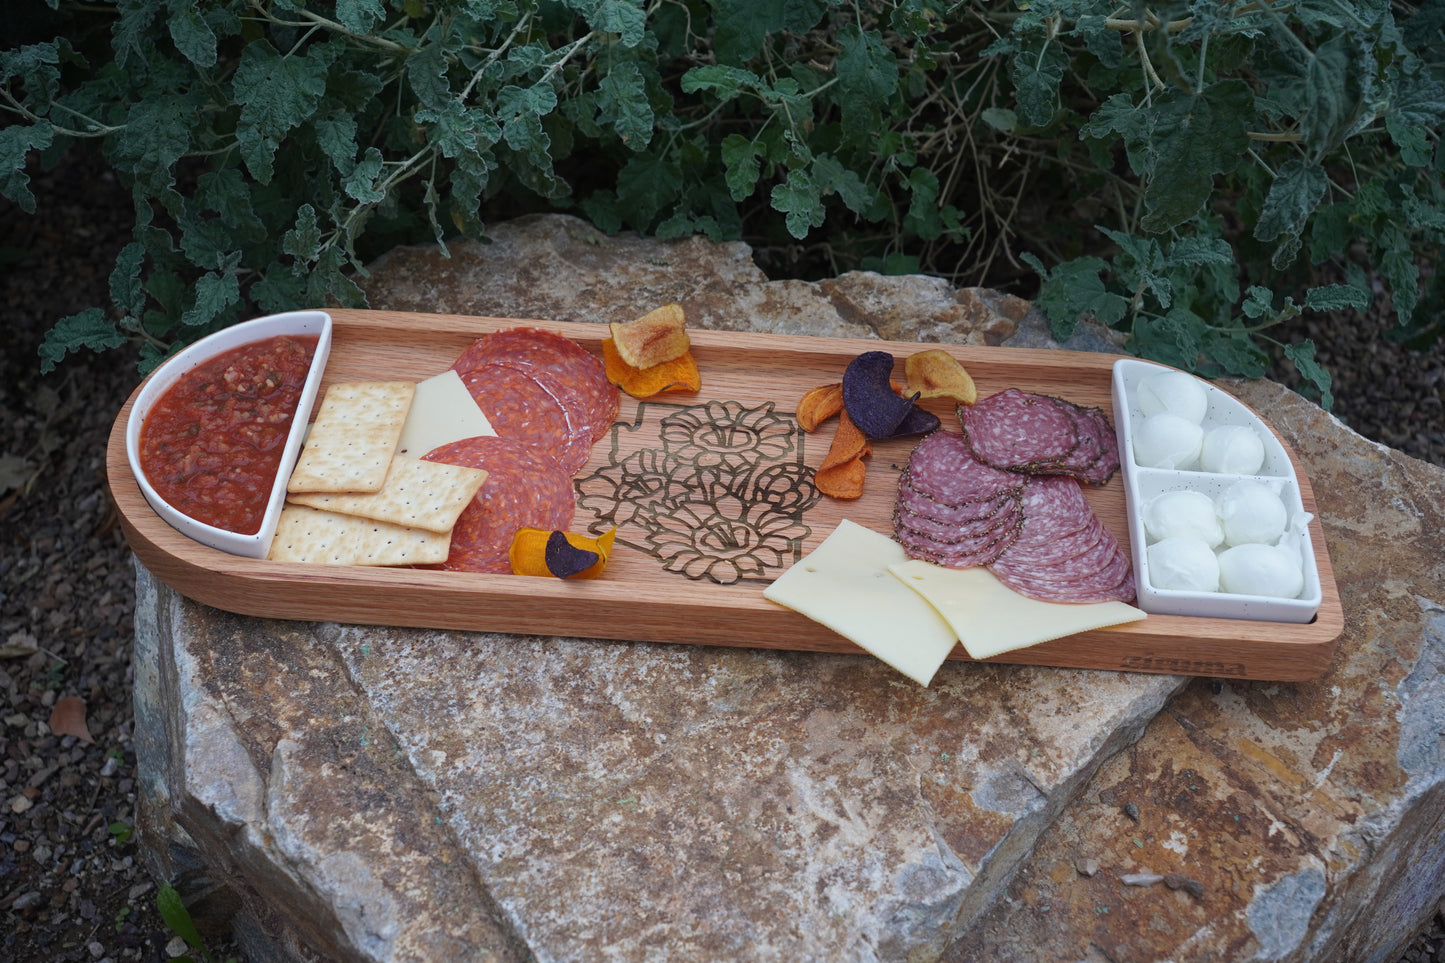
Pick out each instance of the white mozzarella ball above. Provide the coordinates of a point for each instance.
(1175, 392)
(1232, 450)
(1183, 514)
(1166, 440)
(1269, 570)
(1184, 565)
(1250, 512)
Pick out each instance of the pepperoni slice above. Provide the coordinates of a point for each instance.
(522, 409)
(524, 489)
(575, 378)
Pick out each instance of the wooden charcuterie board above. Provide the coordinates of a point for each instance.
(713, 499)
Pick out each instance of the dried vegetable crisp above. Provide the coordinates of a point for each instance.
(678, 374)
(820, 404)
(655, 338)
(937, 374)
(878, 410)
(560, 554)
(843, 470)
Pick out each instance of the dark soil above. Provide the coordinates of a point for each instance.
(72, 885)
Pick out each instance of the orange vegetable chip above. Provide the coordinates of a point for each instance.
(679, 374)
(820, 404)
(556, 554)
(843, 470)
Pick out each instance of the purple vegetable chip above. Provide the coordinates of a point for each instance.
(564, 559)
(873, 405)
(918, 421)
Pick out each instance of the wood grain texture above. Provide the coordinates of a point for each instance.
(762, 376)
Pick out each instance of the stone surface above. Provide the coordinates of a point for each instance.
(390, 794)
(1313, 815)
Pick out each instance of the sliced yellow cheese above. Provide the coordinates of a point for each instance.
(991, 619)
(443, 411)
(845, 585)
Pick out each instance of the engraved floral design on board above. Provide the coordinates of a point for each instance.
(717, 492)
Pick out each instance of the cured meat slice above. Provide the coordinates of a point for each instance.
(952, 532)
(1018, 430)
(520, 408)
(917, 503)
(524, 489)
(1087, 449)
(1063, 552)
(1021, 431)
(1096, 457)
(943, 468)
(1115, 582)
(962, 553)
(1108, 462)
(1053, 507)
(573, 376)
(1103, 552)
(1040, 557)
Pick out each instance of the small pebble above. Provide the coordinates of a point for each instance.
(177, 947)
(1179, 881)
(1087, 867)
(1141, 879)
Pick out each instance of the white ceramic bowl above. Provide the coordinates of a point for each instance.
(256, 545)
(1143, 483)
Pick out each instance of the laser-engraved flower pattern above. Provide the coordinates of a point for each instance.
(725, 433)
(721, 499)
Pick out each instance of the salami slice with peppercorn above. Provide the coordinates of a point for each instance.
(943, 468)
(1063, 552)
(1037, 434)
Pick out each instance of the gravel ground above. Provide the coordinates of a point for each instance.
(72, 886)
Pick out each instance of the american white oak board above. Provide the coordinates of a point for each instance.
(712, 495)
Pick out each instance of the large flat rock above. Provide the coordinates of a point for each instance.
(385, 794)
(1312, 816)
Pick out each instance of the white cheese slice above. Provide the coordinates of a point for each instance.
(845, 585)
(991, 619)
(443, 411)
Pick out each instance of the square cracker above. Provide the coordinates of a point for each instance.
(326, 538)
(353, 438)
(418, 494)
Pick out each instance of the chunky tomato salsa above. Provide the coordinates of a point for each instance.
(212, 443)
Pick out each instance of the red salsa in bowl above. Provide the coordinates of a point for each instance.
(212, 443)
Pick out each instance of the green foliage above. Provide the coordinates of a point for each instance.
(178, 919)
(1226, 139)
(173, 911)
(1191, 172)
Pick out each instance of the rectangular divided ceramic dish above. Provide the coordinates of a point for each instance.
(712, 497)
